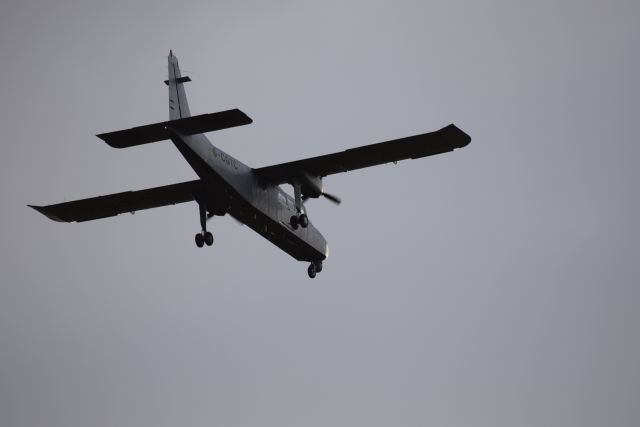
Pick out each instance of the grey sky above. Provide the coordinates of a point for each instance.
(496, 285)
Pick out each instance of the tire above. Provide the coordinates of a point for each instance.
(294, 222)
(318, 265)
(208, 238)
(304, 220)
(199, 240)
(311, 271)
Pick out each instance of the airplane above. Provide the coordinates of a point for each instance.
(227, 186)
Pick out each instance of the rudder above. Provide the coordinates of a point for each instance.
(178, 105)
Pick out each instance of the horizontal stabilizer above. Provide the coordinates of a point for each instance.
(115, 204)
(188, 125)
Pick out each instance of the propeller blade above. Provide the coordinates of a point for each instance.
(334, 199)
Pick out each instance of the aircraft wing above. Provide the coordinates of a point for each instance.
(115, 204)
(413, 147)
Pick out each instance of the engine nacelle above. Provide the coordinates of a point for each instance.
(310, 186)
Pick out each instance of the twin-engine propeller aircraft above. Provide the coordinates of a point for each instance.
(226, 185)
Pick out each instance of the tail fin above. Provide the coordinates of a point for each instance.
(178, 105)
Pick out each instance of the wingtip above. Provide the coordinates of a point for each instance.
(245, 116)
(108, 138)
(43, 210)
(464, 137)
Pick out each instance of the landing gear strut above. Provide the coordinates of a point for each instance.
(300, 218)
(204, 237)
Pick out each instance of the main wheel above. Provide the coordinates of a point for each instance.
(208, 238)
(199, 240)
(294, 222)
(318, 265)
(304, 220)
(312, 270)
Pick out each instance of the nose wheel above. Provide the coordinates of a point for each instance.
(314, 268)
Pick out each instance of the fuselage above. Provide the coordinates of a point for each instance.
(232, 187)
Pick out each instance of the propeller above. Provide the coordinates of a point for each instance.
(311, 187)
(328, 196)
(331, 197)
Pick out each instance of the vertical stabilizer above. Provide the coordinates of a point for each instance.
(178, 105)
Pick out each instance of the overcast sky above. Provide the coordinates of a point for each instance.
(497, 285)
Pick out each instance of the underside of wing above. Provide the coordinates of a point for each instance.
(115, 204)
(428, 144)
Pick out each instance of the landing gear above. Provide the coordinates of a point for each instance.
(314, 268)
(299, 219)
(204, 237)
(304, 220)
(208, 238)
